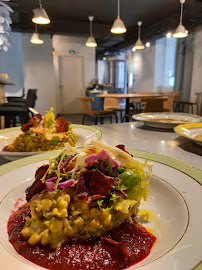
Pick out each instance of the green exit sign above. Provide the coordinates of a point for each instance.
(72, 52)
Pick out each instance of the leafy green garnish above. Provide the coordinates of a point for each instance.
(108, 167)
(121, 170)
(50, 119)
(134, 192)
(54, 140)
(124, 205)
(114, 197)
(107, 209)
(129, 179)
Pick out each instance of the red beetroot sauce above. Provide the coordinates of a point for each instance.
(90, 254)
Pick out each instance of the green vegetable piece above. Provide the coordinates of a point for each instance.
(129, 179)
(107, 210)
(108, 167)
(54, 140)
(134, 192)
(125, 205)
(121, 170)
(50, 119)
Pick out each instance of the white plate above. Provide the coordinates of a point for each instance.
(179, 118)
(189, 131)
(176, 212)
(85, 135)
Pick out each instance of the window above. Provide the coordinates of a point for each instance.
(165, 64)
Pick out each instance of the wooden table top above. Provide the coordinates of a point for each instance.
(135, 95)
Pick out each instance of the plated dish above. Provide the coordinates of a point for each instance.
(192, 131)
(82, 201)
(167, 120)
(170, 204)
(43, 133)
(84, 135)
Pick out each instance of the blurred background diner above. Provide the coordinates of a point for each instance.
(99, 61)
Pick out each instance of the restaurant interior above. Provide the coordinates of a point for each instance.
(100, 74)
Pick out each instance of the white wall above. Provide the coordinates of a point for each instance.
(143, 70)
(196, 83)
(39, 71)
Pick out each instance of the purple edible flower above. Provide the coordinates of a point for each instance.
(101, 157)
(50, 183)
(66, 184)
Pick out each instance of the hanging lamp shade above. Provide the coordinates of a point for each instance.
(40, 15)
(35, 39)
(118, 26)
(91, 41)
(139, 45)
(181, 32)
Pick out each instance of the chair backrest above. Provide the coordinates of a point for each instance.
(199, 102)
(153, 104)
(31, 98)
(111, 103)
(86, 107)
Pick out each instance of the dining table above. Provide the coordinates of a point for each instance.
(134, 135)
(156, 97)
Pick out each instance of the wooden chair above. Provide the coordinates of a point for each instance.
(181, 106)
(151, 104)
(168, 104)
(154, 104)
(112, 104)
(86, 109)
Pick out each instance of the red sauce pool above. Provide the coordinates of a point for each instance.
(135, 241)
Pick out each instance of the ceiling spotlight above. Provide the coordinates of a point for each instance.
(181, 32)
(169, 35)
(147, 44)
(40, 15)
(118, 26)
(139, 45)
(91, 41)
(104, 58)
(35, 39)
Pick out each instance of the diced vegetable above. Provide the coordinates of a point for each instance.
(54, 140)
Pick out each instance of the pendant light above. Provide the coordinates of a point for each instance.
(139, 45)
(35, 39)
(118, 26)
(91, 41)
(181, 32)
(40, 15)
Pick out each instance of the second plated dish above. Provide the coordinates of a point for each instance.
(167, 120)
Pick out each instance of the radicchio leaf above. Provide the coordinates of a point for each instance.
(123, 148)
(93, 185)
(37, 186)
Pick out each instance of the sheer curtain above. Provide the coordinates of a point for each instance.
(183, 67)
